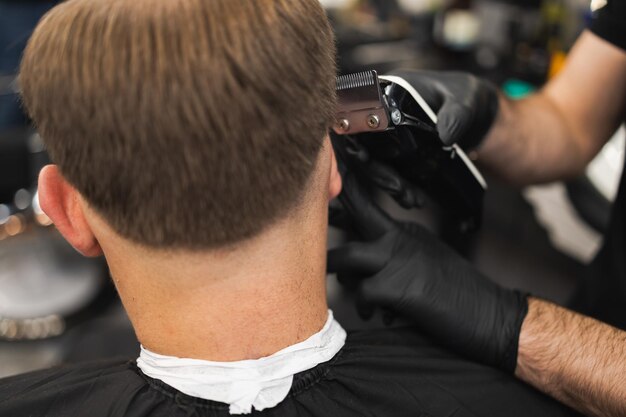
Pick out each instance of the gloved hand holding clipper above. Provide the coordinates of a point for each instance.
(466, 106)
(549, 136)
(412, 273)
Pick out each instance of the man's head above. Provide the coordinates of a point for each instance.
(185, 124)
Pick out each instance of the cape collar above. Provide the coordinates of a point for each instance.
(260, 383)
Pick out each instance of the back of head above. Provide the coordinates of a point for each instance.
(184, 123)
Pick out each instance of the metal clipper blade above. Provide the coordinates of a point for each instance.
(361, 105)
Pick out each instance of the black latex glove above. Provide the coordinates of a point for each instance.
(466, 106)
(384, 176)
(415, 275)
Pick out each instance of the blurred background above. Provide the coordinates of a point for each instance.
(57, 307)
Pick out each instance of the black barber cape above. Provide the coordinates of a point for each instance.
(603, 293)
(385, 373)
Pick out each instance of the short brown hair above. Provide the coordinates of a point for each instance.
(184, 123)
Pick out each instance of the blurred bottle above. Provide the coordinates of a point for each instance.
(534, 56)
(554, 16)
(573, 16)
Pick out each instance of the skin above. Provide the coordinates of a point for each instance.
(555, 133)
(575, 359)
(551, 136)
(219, 305)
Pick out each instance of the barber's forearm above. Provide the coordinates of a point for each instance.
(531, 143)
(573, 358)
(553, 134)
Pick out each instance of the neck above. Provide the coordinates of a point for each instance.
(244, 303)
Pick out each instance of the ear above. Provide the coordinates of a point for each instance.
(63, 205)
(335, 183)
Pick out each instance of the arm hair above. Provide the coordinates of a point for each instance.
(573, 358)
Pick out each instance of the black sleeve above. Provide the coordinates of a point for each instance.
(609, 22)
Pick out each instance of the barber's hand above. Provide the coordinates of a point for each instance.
(466, 106)
(415, 275)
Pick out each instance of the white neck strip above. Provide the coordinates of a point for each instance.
(259, 383)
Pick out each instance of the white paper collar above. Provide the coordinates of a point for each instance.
(260, 383)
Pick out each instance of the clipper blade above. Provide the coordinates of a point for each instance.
(360, 79)
(361, 104)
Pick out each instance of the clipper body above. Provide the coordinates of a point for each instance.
(392, 121)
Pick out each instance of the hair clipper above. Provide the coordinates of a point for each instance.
(389, 118)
